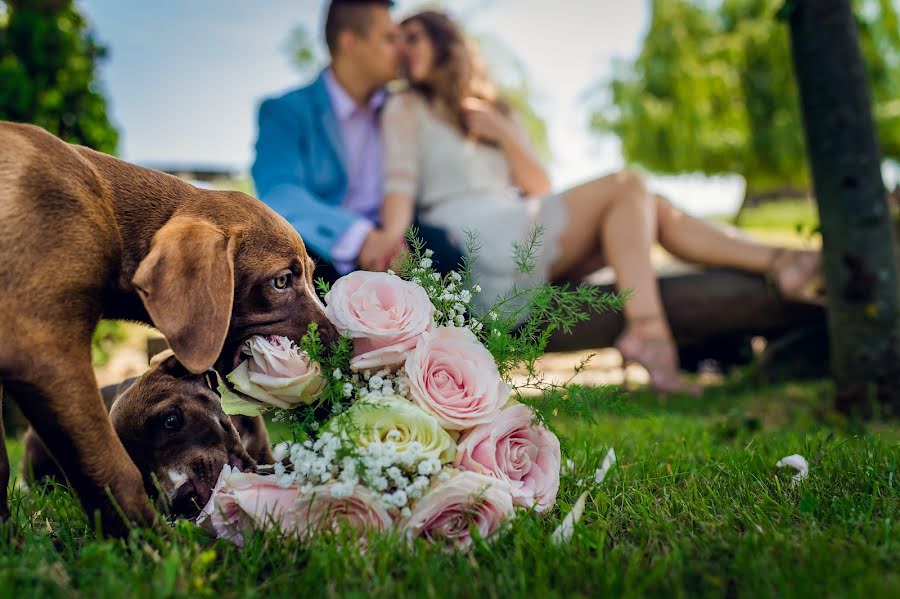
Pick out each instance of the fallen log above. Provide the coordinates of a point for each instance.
(710, 311)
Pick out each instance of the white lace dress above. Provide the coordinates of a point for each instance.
(461, 185)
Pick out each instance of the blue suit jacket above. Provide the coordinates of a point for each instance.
(299, 170)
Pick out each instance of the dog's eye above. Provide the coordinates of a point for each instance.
(172, 421)
(281, 283)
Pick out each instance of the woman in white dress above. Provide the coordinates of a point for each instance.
(454, 150)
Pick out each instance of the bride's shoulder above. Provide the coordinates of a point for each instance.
(405, 101)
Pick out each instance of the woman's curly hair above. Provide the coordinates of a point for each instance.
(458, 71)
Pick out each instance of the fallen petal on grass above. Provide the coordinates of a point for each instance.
(608, 462)
(798, 463)
(563, 534)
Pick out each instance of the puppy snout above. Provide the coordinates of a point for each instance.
(189, 500)
(327, 333)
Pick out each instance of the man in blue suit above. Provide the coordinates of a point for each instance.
(318, 152)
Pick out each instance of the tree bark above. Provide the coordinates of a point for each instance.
(860, 256)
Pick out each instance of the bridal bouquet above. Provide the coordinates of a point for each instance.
(409, 424)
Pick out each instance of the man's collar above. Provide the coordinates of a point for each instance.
(341, 101)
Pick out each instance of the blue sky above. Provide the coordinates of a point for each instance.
(184, 77)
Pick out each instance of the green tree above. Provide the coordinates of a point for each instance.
(712, 91)
(48, 59)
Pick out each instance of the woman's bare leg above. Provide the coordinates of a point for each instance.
(617, 217)
(699, 242)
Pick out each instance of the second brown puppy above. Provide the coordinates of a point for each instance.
(174, 430)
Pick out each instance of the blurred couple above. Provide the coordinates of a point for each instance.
(352, 166)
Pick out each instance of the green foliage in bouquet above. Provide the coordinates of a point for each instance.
(515, 330)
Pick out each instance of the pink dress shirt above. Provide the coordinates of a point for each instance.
(362, 153)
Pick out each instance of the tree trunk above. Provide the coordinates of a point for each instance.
(860, 258)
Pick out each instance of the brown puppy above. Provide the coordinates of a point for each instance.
(85, 236)
(174, 430)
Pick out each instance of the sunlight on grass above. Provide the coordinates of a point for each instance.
(695, 505)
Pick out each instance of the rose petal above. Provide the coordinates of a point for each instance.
(798, 463)
(564, 532)
(608, 462)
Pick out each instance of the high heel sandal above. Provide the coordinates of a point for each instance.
(805, 268)
(658, 355)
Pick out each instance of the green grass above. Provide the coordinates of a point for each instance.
(694, 507)
(797, 215)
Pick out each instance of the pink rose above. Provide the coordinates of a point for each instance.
(243, 501)
(513, 449)
(454, 377)
(319, 510)
(384, 315)
(449, 510)
(275, 373)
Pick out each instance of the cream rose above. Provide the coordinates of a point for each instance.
(394, 419)
(243, 501)
(384, 314)
(515, 450)
(449, 510)
(275, 373)
(319, 510)
(454, 377)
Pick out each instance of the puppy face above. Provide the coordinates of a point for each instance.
(173, 428)
(224, 269)
(277, 294)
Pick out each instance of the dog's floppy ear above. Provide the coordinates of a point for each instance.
(187, 285)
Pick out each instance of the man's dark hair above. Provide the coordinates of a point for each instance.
(355, 15)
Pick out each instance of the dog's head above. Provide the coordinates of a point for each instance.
(173, 428)
(224, 268)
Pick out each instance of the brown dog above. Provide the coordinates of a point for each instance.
(84, 236)
(174, 430)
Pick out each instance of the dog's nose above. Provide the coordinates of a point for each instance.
(327, 333)
(187, 501)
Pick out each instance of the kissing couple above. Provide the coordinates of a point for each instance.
(351, 165)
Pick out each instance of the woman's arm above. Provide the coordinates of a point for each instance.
(397, 215)
(486, 122)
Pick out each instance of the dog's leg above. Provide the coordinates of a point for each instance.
(4, 467)
(65, 408)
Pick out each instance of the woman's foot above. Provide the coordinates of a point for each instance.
(797, 275)
(648, 342)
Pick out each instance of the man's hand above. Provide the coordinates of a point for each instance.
(485, 122)
(378, 250)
